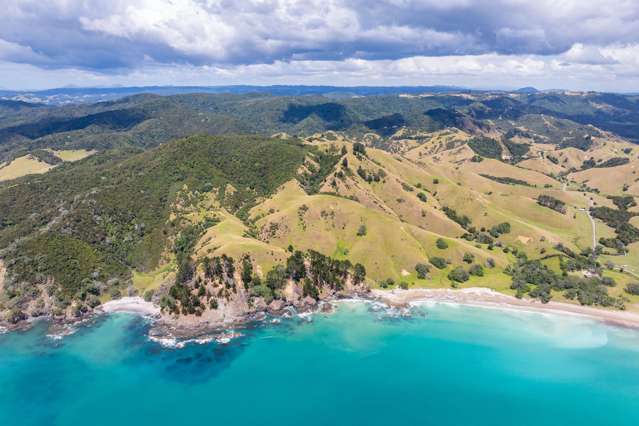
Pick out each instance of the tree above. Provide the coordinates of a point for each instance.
(295, 266)
(247, 271)
(361, 231)
(148, 295)
(388, 282)
(344, 151)
(458, 274)
(632, 288)
(476, 270)
(208, 270)
(276, 278)
(359, 274)
(441, 244)
(422, 270)
(359, 148)
(438, 262)
(469, 257)
(309, 290)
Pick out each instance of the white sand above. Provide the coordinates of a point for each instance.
(485, 297)
(134, 305)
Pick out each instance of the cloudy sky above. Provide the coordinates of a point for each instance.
(571, 44)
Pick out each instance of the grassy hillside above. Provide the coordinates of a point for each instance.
(507, 199)
(89, 224)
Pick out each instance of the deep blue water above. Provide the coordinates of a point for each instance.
(454, 366)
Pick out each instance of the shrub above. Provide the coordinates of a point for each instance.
(422, 270)
(438, 262)
(359, 148)
(361, 231)
(469, 257)
(476, 270)
(422, 197)
(458, 274)
(552, 203)
(632, 288)
(388, 282)
(441, 244)
(502, 228)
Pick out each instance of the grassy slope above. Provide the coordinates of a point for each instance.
(401, 229)
(123, 213)
(22, 166)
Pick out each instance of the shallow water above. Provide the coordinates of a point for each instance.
(453, 366)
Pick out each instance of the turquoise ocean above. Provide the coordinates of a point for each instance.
(445, 365)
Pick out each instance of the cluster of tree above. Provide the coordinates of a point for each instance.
(459, 274)
(623, 202)
(46, 156)
(632, 288)
(619, 218)
(371, 177)
(611, 162)
(487, 236)
(312, 270)
(313, 176)
(552, 203)
(486, 147)
(463, 220)
(517, 150)
(534, 278)
(586, 260)
(552, 159)
(614, 162)
(359, 149)
(497, 230)
(505, 180)
(182, 248)
(438, 262)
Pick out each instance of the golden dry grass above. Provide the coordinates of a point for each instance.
(22, 166)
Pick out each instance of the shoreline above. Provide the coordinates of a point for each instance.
(488, 298)
(396, 298)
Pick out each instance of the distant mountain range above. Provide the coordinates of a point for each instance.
(69, 95)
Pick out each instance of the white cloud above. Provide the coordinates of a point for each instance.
(475, 71)
(462, 42)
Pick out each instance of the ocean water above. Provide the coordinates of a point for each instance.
(446, 365)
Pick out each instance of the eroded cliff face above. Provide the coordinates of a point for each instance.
(231, 302)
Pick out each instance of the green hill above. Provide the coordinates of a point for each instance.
(380, 190)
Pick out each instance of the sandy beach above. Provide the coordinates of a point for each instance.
(484, 297)
(134, 305)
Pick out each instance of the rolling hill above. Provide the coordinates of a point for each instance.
(311, 195)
